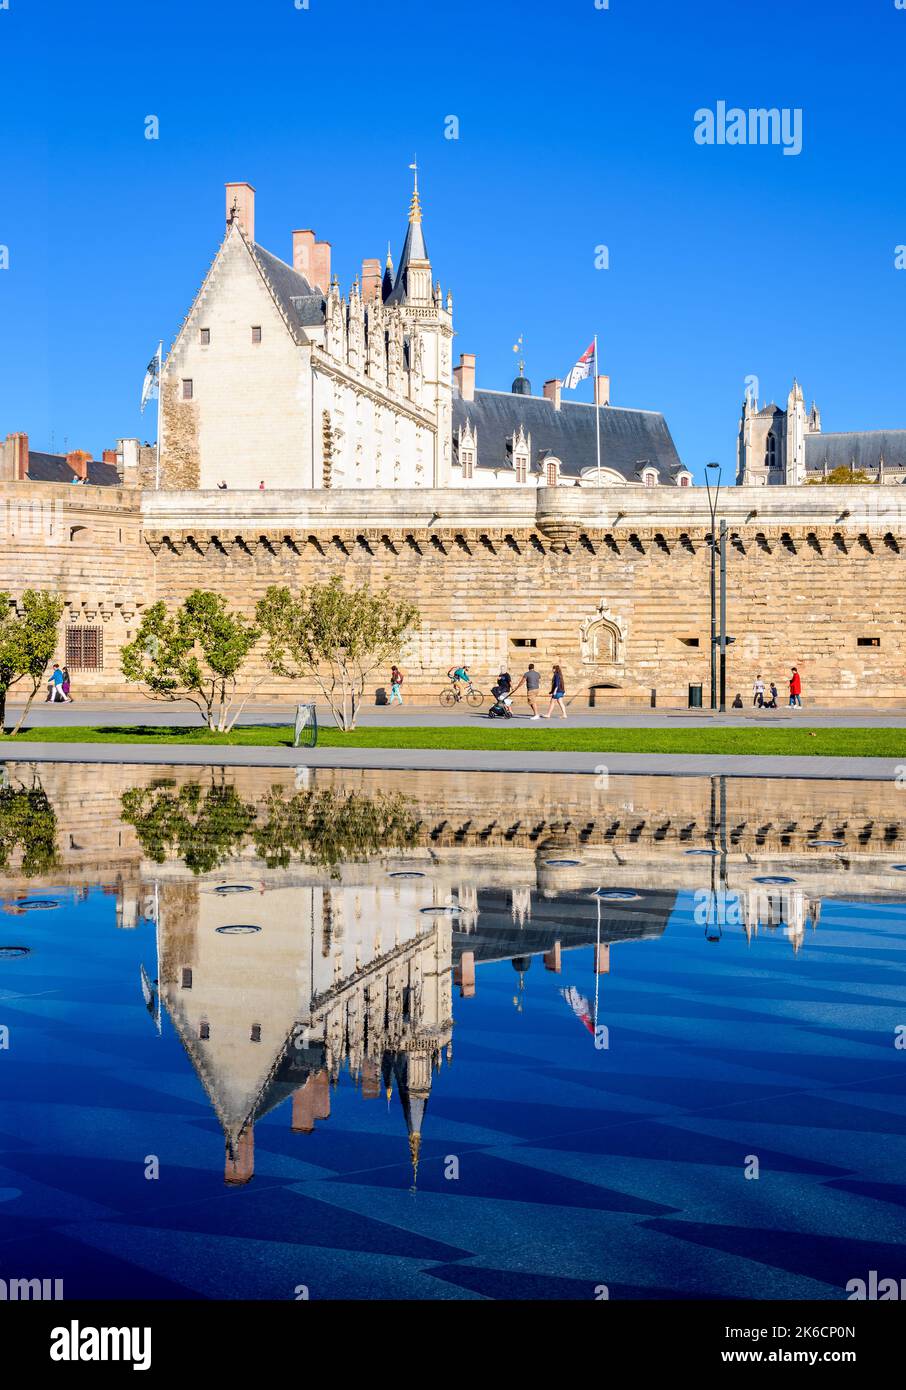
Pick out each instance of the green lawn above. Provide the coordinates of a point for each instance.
(889, 743)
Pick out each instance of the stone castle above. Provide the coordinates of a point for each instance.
(383, 463)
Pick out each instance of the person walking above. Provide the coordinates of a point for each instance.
(55, 686)
(795, 690)
(65, 687)
(558, 693)
(396, 680)
(531, 679)
(758, 692)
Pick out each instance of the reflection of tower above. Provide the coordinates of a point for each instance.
(521, 905)
(521, 965)
(413, 1068)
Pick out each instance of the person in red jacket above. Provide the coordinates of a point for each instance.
(795, 689)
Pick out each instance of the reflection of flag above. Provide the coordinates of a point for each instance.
(151, 384)
(583, 368)
(580, 1006)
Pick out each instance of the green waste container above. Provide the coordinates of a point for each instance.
(695, 697)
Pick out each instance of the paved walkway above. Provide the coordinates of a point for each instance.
(434, 716)
(446, 760)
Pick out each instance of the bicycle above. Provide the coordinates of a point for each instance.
(451, 696)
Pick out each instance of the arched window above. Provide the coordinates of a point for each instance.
(649, 478)
(770, 450)
(684, 480)
(552, 472)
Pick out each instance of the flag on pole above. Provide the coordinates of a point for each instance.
(583, 368)
(151, 384)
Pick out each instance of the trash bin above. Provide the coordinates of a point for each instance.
(695, 697)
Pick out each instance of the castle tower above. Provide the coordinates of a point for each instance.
(424, 316)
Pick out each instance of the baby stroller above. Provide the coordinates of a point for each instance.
(502, 702)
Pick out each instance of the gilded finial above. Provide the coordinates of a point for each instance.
(415, 207)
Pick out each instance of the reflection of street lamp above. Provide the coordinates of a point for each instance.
(712, 506)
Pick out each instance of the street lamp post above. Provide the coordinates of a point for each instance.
(712, 505)
(723, 616)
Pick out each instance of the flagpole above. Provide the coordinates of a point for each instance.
(597, 413)
(160, 391)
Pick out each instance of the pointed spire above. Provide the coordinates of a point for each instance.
(414, 254)
(415, 207)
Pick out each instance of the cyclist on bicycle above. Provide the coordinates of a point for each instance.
(458, 674)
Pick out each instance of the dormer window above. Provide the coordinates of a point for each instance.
(649, 477)
(521, 469)
(468, 463)
(551, 472)
(684, 480)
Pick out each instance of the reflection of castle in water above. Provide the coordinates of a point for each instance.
(277, 979)
(277, 984)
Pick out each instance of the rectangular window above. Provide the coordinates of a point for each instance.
(525, 641)
(690, 641)
(204, 336)
(187, 391)
(521, 469)
(85, 648)
(256, 1032)
(204, 1031)
(868, 641)
(256, 334)
(187, 977)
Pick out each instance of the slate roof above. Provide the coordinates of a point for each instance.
(862, 448)
(303, 305)
(414, 249)
(628, 437)
(53, 468)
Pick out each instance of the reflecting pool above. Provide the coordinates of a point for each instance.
(282, 1034)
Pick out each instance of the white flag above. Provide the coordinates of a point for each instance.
(151, 384)
(583, 368)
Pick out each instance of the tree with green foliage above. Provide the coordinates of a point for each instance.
(28, 823)
(337, 636)
(194, 653)
(203, 826)
(842, 476)
(28, 639)
(327, 827)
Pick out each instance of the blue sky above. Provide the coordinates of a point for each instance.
(576, 130)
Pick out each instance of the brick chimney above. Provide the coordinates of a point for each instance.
(242, 195)
(109, 456)
(602, 390)
(320, 266)
(14, 456)
(371, 281)
(78, 461)
(552, 392)
(464, 375)
(303, 241)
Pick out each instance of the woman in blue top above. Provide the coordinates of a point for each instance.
(558, 693)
